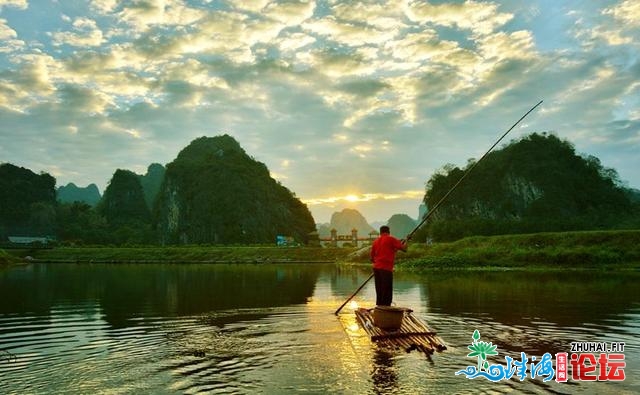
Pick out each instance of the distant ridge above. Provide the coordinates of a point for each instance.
(72, 193)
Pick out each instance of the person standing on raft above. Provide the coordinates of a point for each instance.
(383, 253)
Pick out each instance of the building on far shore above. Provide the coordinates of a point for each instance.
(29, 240)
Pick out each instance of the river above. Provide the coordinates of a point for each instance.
(250, 328)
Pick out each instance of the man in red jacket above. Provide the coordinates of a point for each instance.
(383, 253)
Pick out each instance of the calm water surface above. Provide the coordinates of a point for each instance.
(270, 328)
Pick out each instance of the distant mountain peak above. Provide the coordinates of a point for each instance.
(72, 193)
(348, 219)
(213, 192)
(206, 147)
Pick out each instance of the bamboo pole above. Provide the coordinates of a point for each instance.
(432, 210)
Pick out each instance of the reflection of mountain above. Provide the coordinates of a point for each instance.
(566, 299)
(126, 291)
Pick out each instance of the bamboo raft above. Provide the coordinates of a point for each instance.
(414, 334)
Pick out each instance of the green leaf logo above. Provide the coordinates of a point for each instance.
(481, 350)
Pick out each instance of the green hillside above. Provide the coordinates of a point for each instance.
(535, 184)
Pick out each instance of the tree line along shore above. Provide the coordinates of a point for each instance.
(610, 249)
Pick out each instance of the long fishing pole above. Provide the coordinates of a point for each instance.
(430, 213)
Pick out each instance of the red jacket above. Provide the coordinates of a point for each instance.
(383, 251)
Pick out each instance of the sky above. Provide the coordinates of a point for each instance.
(350, 104)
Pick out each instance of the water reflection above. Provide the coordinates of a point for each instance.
(537, 312)
(565, 298)
(383, 373)
(125, 292)
(271, 328)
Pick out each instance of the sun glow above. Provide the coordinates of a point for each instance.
(365, 197)
(351, 198)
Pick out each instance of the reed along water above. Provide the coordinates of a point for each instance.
(249, 328)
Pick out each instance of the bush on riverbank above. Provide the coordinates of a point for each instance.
(593, 249)
(6, 258)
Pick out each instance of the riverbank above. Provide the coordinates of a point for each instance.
(572, 250)
(6, 258)
(566, 250)
(186, 254)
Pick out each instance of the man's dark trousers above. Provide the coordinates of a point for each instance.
(384, 286)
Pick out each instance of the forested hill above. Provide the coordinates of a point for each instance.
(213, 192)
(537, 183)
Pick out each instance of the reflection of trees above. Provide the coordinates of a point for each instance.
(565, 298)
(127, 291)
(25, 289)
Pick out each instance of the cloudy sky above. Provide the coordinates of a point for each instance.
(348, 103)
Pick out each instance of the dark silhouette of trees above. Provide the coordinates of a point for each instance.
(27, 202)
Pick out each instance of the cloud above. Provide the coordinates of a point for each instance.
(480, 18)
(608, 28)
(251, 5)
(104, 6)
(348, 33)
(19, 4)
(289, 13)
(6, 32)
(384, 17)
(9, 38)
(85, 34)
(626, 12)
(30, 84)
(289, 43)
(143, 15)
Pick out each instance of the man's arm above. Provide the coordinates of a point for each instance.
(402, 245)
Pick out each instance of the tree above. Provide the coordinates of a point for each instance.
(80, 223)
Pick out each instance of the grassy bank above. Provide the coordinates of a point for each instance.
(596, 249)
(186, 254)
(579, 250)
(6, 258)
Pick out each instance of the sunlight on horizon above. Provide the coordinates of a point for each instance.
(364, 197)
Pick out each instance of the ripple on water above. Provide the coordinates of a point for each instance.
(295, 348)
